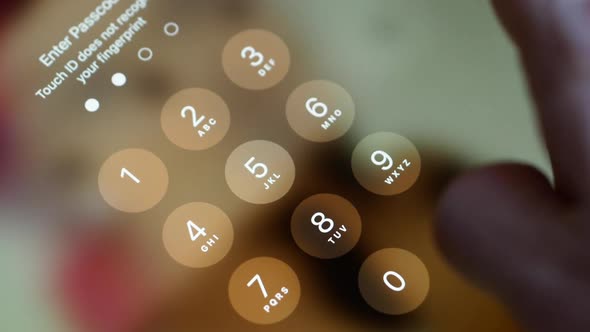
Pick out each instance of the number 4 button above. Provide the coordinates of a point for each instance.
(192, 227)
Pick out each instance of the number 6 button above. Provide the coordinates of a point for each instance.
(394, 281)
(133, 180)
(320, 111)
(260, 172)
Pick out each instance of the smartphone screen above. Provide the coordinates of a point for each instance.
(224, 166)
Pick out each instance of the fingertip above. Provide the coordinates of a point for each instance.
(484, 211)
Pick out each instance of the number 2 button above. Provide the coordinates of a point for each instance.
(195, 119)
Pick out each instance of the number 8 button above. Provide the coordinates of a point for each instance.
(326, 226)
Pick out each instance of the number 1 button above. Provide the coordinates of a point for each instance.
(133, 180)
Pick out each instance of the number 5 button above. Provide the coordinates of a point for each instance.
(394, 281)
(260, 172)
(133, 180)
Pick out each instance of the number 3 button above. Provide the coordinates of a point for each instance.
(133, 180)
(256, 59)
(326, 226)
(195, 119)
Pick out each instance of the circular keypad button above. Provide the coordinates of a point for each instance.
(133, 180)
(264, 290)
(198, 235)
(320, 111)
(326, 226)
(386, 163)
(394, 281)
(256, 59)
(260, 172)
(195, 119)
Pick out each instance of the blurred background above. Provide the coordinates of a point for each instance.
(441, 73)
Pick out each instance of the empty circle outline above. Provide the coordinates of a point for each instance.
(145, 58)
(171, 25)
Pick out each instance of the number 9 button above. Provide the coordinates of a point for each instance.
(386, 164)
(320, 111)
(326, 226)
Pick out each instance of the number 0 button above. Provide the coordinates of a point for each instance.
(326, 226)
(386, 163)
(198, 235)
(394, 281)
(260, 172)
(133, 180)
(264, 290)
(195, 119)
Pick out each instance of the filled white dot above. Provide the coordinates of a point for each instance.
(119, 79)
(92, 105)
